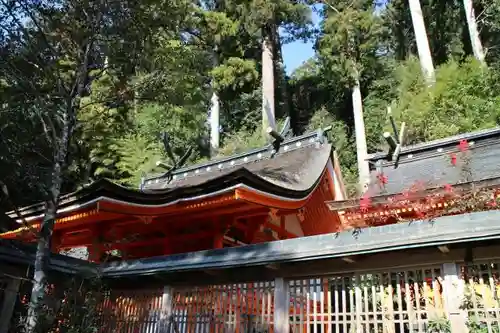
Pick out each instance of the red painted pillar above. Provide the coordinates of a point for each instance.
(55, 242)
(218, 241)
(95, 253)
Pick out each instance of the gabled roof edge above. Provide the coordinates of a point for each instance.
(419, 147)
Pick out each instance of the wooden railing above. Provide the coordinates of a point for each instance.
(404, 300)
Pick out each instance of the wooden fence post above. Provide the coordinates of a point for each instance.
(281, 306)
(166, 320)
(453, 290)
(9, 302)
(358, 304)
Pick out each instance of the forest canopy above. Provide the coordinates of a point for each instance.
(102, 81)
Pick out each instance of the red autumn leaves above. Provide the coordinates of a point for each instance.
(463, 146)
(365, 201)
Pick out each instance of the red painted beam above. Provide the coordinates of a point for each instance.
(174, 238)
(280, 231)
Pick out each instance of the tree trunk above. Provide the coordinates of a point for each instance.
(359, 125)
(214, 124)
(280, 74)
(43, 254)
(424, 51)
(267, 83)
(61, 148)
(477, 46)
(214, 115)
(45, 236)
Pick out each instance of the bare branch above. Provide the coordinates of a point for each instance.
(47, 43)
(330, 5)
(25, 223)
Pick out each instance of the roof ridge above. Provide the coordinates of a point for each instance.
(480, 134)
(245, 157)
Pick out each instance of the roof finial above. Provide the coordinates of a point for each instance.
(279, 137)
(176, 164)
(394, 144)
(143, 181)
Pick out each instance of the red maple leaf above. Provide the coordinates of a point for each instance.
(463, 145)
(365, 202)
(453, 159)
(382, 179)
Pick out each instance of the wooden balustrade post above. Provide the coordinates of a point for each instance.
(166, 320)
(281, 306)
(453, 292)
(358, 304)
(9, 302)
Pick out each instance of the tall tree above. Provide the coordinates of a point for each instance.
(263, 20)
(424, 51)
(52, 53)
(214, 28)
(348, 48)
(475, 39)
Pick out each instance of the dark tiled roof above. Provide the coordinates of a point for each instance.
(297, 166)
(430, 163)
(291, 173)
(18, 253)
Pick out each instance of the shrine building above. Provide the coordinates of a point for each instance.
(450, 176)
(273, 193)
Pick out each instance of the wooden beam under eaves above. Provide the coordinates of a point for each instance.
(212, 272)
(444, 249)
(349, 260)
(273, 267)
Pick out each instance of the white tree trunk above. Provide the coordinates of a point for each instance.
(214, 111)
(214, 123)
(424, 51)
(267, 85)
(477, 46)
(361, 149)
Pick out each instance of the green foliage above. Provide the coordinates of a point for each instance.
(351, 39)
(164, 58)
(137, 156)
(439, 325)
(476, 325)
(245, 139)
(343, 144)
(241, 141)
(234, 73)
(463, 99)
(72, 306)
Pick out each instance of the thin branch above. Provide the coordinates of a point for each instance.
(25, 223)
(49, 134)
(92, 78)
(26, 33)
(46, 41)
(16, 277)
(330, 5)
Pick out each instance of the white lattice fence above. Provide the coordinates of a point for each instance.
(396, 301)
(481, 296)
(240, 308)
(131, 311)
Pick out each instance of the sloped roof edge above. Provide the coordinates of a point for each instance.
(451, 140)
(240, 177)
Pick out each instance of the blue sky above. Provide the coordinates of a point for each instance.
(294, 54)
